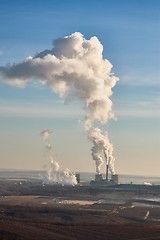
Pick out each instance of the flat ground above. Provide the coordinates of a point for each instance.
(69, 214)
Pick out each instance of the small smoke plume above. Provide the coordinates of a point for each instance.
(75, 69)
(45, 134)
(56, 175)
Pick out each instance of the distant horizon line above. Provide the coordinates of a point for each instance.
(41, 170)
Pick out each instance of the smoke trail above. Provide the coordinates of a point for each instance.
(101, 145)
(73, 68)
(56, 175)
(45, 134)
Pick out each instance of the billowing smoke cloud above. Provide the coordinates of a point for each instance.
(56, 175)
(73, 68)
(101, 145)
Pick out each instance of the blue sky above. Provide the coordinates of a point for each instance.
(130, 33)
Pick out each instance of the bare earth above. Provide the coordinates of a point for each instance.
(69, 213)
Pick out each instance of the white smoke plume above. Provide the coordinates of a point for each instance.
(45, 134)
(56, 175)
(75, 69)
(101, 145)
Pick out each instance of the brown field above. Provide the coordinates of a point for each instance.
(70, 215)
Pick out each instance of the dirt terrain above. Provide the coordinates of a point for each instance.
(75, 214)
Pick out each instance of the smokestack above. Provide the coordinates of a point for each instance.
(107, 172)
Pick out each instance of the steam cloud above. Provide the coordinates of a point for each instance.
(101, 145)
(56, 175)
(74, 68)
(45, 134)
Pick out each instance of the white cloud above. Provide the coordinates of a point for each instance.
(75, 69)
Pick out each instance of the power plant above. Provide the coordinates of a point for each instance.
(99, 180)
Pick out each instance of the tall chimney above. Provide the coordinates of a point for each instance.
(105, 155)
(107, 172)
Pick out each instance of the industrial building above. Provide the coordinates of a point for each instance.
(99, 180)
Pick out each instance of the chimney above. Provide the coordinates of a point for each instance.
(107, 172)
